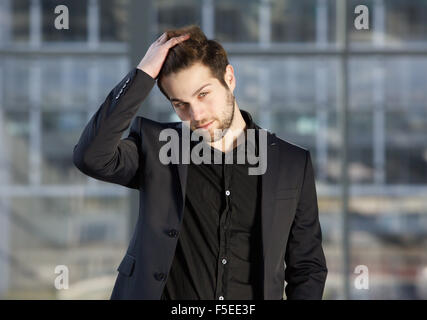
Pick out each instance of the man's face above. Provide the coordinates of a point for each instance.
(201, 99)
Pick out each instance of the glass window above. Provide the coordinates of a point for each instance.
(61, 131)
(297, 127)
(171, 16)
(16, 83)
(405, 21)
(52, 90)
(16, 147)
(108, 69)
(293, 21)
(361, 82)
(406, 149)
(237, 21)
(361, 146)
(113, 19)
(83, 233)
(405, 79)
(85, 224)
(66, 83)
(393, 23)
(20, 21)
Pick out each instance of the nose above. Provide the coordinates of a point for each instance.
(197, 113)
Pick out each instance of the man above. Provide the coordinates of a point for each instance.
(205, 230)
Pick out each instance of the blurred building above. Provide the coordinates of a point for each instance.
(355, 99)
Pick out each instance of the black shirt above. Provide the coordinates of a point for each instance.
(219, 250)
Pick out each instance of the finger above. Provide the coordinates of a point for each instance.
(159, 39)
(175, 40)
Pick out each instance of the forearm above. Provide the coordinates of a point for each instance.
(100, 144)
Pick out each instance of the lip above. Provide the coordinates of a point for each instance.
(206, 125)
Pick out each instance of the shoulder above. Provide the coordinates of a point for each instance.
(290, 147)
(287, 148)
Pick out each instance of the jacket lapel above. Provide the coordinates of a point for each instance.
(182, 167)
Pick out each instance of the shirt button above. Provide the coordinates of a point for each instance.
(227, 193)
(221, 298)
(224, 261)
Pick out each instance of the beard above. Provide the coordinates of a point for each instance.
(225, 120)
(228, 112)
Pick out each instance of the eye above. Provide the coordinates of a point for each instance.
(178, 104)
(203, 94)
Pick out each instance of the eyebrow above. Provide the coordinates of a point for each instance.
(197, 91)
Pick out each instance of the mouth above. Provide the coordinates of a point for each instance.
(206, 125)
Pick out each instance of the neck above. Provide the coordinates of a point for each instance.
(237, 127)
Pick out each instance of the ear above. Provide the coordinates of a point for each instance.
(229, 78)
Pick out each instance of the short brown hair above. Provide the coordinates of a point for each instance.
(196, 49)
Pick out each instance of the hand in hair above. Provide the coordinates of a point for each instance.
(157, 52)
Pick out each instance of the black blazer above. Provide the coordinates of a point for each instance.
(291, 232)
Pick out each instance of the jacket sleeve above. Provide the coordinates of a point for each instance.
(306, 269)
(101, 152)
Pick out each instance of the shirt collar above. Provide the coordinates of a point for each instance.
(248, 119)
(250, 125)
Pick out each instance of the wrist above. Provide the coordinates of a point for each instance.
(146, 70)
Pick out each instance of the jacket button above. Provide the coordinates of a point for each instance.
(172, 233)
(160, 276)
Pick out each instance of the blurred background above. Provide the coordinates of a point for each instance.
(357, 99)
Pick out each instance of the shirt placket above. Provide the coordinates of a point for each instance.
(224, 232)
